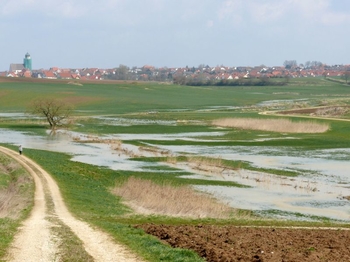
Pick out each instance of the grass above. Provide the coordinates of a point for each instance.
(86, 188)
(16, 199)
(8, 228)
(121, 98)
(336, 137)
(300, 217)
(137, 100)
(69, 246)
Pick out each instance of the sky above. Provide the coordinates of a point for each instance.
(173, 33)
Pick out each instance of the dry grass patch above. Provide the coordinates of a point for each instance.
(212, 165)
(273, 125)
(171, 160)
(206, 161)
(15, 196)
(11, 200)
(116, 144)
(147, 197)
(154, 150)
(346, 197)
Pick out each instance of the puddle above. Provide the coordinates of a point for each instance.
(319, 189)
(12, 115)
(219, 108)
(192, 136)
(113, 121)
(98, 154)
(16, 115)
(271, 139)
(271, 103)
(262, 199)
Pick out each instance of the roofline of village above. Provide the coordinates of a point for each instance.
(149, 72)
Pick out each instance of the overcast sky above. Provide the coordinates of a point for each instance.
(173, 33)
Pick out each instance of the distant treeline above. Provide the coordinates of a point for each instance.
(232, 82)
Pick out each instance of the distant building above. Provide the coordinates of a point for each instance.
(27, 64)
(16, 68)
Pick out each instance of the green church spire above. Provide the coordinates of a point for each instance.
(27, 61)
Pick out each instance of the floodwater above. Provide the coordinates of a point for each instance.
(319, 190)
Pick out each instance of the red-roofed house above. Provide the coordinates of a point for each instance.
(49, 74)
(65, 75)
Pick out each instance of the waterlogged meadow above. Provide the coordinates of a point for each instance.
(157, 131)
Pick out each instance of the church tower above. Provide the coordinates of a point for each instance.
(27, 62)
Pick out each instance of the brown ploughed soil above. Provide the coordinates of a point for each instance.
(232, 243)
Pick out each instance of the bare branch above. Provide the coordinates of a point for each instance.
(54, 110)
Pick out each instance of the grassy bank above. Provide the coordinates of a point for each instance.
(16, 199)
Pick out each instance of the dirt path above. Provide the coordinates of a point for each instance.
(36, 242)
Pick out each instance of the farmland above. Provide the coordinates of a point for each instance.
(168, 135)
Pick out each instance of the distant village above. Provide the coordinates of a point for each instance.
(204, 73)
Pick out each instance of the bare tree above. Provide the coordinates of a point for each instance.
(54, 110)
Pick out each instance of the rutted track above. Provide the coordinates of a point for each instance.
(36, 242)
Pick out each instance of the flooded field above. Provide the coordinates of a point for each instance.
(321, 189)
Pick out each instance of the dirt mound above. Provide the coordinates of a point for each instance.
(231, 243)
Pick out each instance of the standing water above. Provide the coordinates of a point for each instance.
(320, 190)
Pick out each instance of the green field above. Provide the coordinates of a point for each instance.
(188, 109)
(156, 101)
(123, 98)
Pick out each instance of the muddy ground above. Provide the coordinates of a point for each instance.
(231, 243)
